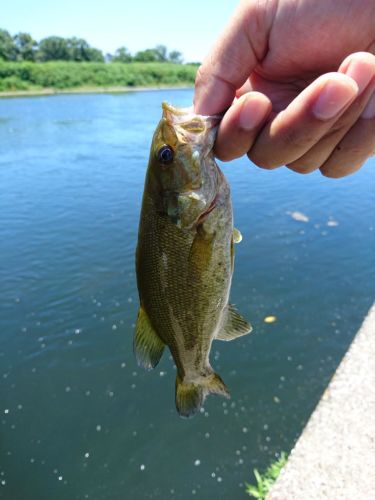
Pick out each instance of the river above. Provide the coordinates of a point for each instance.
(78, 418)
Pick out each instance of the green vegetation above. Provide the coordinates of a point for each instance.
(70, 75)
(22, 47)
(70, 63)
(266, 480)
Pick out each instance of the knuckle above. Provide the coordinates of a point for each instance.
(357, 150)
(295, 140)
(201, 76)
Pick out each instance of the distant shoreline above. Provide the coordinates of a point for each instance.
(90, 90)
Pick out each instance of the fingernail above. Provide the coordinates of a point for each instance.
(333, 99)
(253, 113)
(362, 74)
(369, 111)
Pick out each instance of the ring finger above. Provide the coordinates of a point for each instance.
(360, 67)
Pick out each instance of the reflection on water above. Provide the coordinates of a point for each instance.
(79, 419)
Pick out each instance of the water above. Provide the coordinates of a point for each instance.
(78, 418)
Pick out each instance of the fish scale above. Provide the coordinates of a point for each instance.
(193, 301)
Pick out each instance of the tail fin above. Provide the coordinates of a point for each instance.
(190, 396)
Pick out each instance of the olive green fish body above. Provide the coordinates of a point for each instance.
(184, 257)
(184, 278)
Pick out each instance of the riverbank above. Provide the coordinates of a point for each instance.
(335, 455)
(18, 78)
(89, 90)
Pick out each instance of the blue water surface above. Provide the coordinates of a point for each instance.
(78, 418)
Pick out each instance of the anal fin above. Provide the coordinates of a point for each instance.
(148, 347)
(234, 326)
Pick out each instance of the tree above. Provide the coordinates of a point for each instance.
(95, 55)
(26, 46)
(175, 56)
(161, 53)
(122, 55)
(80, 50)
(77, 49)
(158, 54)
(56, 48)
(148, 55)
(53, 48)
(8, 50)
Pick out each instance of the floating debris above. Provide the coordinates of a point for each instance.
(299, 216)
(332, 223)
(270, 319)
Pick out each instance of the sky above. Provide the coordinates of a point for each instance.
(190, 26)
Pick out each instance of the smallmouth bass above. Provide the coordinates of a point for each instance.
(184, 257)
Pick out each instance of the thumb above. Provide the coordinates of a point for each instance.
(232, 59)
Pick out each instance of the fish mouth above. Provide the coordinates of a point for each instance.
(191, 128)
(169, 109)
(187, 119)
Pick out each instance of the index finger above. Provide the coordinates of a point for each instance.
(231, 61)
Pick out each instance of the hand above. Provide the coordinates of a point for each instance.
(297, 81)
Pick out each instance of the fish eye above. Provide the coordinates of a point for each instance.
(165, 155)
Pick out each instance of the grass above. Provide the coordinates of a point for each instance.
(265, 481)
(59, 75)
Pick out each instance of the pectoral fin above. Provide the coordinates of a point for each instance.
(148, 347)
(201, 250)
(234, 326)
(237, 236)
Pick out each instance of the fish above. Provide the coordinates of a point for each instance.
(185, 257)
